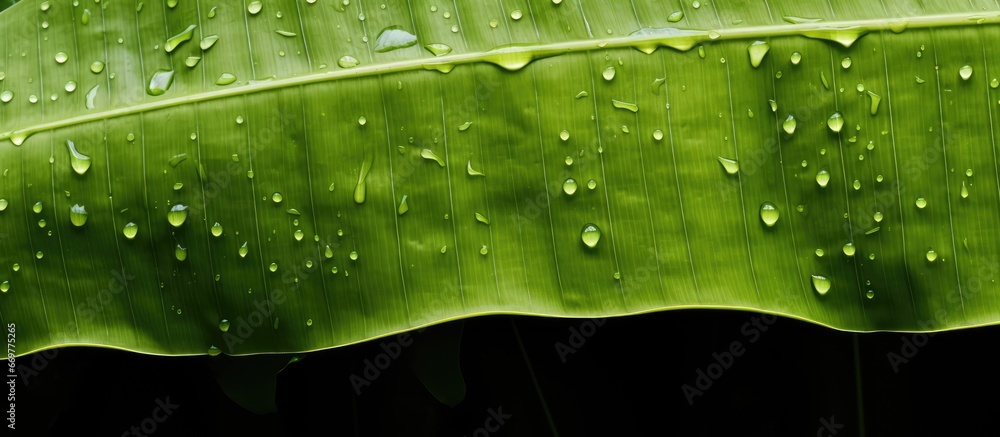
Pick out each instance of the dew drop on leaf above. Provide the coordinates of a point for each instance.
(821, 284)
(769, 214)
(590, 235)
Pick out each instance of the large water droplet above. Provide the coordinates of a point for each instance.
(182, 37)
(849, 249)
(130, 230)
(180, 252)
(353, 256)
(91, 97)
(177, 215)
(361, 188)
(931, 255)
(821, 284)
(160, 82)
(254, 7)
(97, 67)
(730, 165)
(590, 235)
(789, 124)
(348, 61)
(965, 72)
(217, 229)
(77, 160)
(757, 50)
(438, 49)
(846, 63)
(78, 215)
(37, 208)
(3, 205)
(4, 286)
(244, 250)
(392, 38)
(225, 79)
(472, 171)
(625, 105)
(570, 186)
(769, 214)
(609, 73)
(429, 154)
(403, 206)
(675, 17)
(208, 41)
(796, 58)
(835, 122)
(823, 178)
(6, 96)
(62, 57)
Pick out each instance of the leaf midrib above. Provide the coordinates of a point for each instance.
(531, 52)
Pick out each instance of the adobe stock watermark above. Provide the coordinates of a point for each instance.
(705, 378)
(910, 345)
(373, 367)
(161, 412)
(578, 336)
(495, 418)
(828, 427)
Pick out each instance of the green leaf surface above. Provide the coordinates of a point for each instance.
(307, 172)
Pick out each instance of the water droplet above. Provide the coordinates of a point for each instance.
(353, 255)
(569, 186)
(403, 206)
(821, 284)
(78, 215)
(564, 135)
(44, 6)
(875, 99)
(757, 50)
(849, 249)
(309, 322)
(870, 294)
(39, 255)
(225, 79)
(965, 72)
(224, 325)
(482, 219)
(835, 122)
(273, 267)
(820, 253)
(4, 286)
(430, 155)
(92, 97)
(97, 67)
(769, 214)
(70, 86)
(211, 12)
(856, 184)
(177, 159)
(37, 207)
(348, 61)
(180, 252)
(130, 230)
(965, 190)
(846, 63)
(217, 230)
(438, 49)
(6, 96)
(177, 215)
(392, 38)
(254, 7)
(921, 203)
(160, 82)
(730, 165)
(276, 197)
(796, 58)
(298, 234)
(994, 83)
(675, 17)
(42, 223)
(15, 267)
(625, 105)
(244, 250)
(79, 161)
(931, 255)
(590, 235)
(182, 37)
(62, 57)
(789, 125)
(515, 14)
(3, 205)
(208, 41)
(609, 72)
(591, 184)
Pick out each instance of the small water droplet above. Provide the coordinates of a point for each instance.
(6, 96)
(61, 57)
(482, 219)
(590, 235)
(70, 86)
(965, 190)
(254, 7)
(353, 255)
(78, 215)
(849, 249)
(769, 214)
(244, 250)
(564, 135)
(921, 203)
(931, 255)
(37, 207)
(348, 61)
(4, 286)
(625, 105)
(675, 17)
(846, 63)
(217, 230)
(731, 166)
(796, 58)
(182, 37)
(3, 205)
(438, 49)
(276, 197)
(178, 215)
(515, 14)
(180, 252)
(225, 79)
(208, 41)
(160, 82)
(97, 67)
(273, 267)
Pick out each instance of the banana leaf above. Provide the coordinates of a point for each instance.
(188, 177)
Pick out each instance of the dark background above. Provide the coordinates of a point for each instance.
(795, 379)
